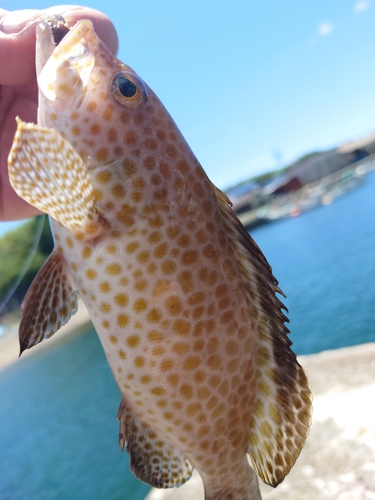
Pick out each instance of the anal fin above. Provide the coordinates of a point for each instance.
(49, 303)
(152, 459)
(45, 170)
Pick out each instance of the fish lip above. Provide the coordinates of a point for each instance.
(47, 44)
(49, 33)
(63, 69)
(44, 45)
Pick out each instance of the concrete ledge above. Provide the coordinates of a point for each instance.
(338, 460)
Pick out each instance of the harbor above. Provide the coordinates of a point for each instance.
(321, 192)
(293, 193)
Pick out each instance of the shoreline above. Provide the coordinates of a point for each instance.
(9, 344)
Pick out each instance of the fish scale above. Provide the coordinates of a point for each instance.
(183, 300)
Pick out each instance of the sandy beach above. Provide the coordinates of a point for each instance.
(338, 460)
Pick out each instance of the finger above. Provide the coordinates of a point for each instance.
(17, 38)
(102, 24)
(17, 46)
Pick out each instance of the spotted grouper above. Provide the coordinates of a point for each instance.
(184, 302)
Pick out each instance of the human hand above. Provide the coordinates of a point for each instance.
(18, 87)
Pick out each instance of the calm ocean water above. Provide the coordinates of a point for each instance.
(58, 428)
(325, 263)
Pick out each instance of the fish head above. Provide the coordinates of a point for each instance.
(85, 93)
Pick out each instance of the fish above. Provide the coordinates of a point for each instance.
(183, 300)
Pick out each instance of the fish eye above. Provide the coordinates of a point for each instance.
(128, 89)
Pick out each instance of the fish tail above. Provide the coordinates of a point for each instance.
(235, 493)
(240, 486)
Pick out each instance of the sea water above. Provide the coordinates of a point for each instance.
(324, 261)
(58, 428)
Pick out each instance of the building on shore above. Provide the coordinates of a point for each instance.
(316, 178)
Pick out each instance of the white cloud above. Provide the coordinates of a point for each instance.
(325, 28)
(362, 6)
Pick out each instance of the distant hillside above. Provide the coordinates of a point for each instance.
(15, 248)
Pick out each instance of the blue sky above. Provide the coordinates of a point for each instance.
(252, 85)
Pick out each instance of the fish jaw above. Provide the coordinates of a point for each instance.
(44, 45)
(63, 72)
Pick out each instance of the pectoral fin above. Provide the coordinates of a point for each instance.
(152, 459)
(49, 303)
(45, 171)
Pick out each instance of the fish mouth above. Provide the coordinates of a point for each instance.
(64, 59)
(59, 28)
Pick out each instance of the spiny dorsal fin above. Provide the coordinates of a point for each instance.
(152, 459)
(45, 171)
(49, 303)
(283, 407)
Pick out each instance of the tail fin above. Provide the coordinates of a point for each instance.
(239, 484)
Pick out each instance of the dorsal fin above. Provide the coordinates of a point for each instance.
(152, 459)
(49, 303)
(283, 408)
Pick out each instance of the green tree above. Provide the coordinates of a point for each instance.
(15, 249)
